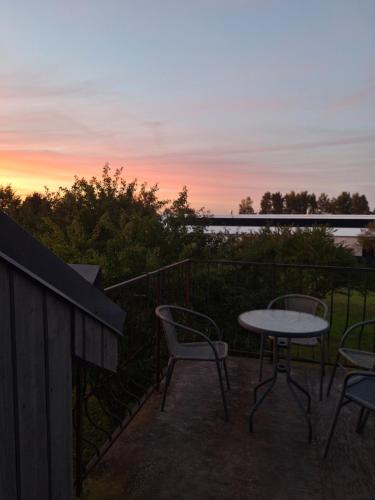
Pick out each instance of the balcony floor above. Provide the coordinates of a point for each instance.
(190, 452)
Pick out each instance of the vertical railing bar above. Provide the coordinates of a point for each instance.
(348, 301)
(330, 314)
(158, 331)
(364, 308)
(208, 283)
(188, 291)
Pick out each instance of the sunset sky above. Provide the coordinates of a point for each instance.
(230, 97)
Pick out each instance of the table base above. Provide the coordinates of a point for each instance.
(292, 385)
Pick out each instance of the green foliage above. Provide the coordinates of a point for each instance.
(128, 230)
(9, 200)
(124, 228)
(315, 246)
(304, 202)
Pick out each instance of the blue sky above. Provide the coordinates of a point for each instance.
(231, 98)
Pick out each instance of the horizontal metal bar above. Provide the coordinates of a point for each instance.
(277, 264)
(145, 276)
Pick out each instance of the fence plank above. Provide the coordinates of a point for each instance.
(29, 330)
(8, 469)
(60, 397)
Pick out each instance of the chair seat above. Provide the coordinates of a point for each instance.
(361, 390)
(309, 342)
(201, 351)
(362, 359)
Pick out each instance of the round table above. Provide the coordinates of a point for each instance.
(288, 325)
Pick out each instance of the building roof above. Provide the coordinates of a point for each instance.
(299, 220)
(347, 232)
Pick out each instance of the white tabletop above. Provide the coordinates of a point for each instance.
(282, 323)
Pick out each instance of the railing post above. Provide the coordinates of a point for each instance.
(78, 425)
(158, 333)
(187, 294)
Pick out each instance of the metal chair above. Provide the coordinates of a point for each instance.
(359, 358)
(299, 303)
(205, 350)
(358, 388)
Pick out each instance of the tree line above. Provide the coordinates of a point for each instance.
(304, 202)
(127, 230)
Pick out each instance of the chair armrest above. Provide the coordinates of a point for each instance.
(349, 330)
(199, 315)
(349, 376)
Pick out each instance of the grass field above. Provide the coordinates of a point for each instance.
(348, 307)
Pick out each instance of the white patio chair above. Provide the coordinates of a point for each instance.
(359, 358)
(299, 303)
(358, 388)
(205, 350)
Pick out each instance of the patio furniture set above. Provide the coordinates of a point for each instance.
(292, 319)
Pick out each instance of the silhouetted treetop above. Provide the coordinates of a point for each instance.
(246, 206)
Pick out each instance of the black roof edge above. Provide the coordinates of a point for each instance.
(259, 221)
(24, 252)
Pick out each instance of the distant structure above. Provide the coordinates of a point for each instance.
(347, 227)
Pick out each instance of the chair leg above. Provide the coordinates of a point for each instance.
(168, 377)
(222, 390)
(261, 354)
(226, 373)
(321, 368)
(362, 419)
(332, 375)
(333, 425)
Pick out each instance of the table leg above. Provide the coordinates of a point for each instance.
(291, 382)
(271, 380)
(303, 390)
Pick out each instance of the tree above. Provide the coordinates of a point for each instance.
(290, 202)
(246, 206)
(9, 200)
(277, 203)
(272, 203)
(360, 204)
(123, 227)
(342, 204)
(300, 203)
(266, 203)
(324, 204)
(33, 211)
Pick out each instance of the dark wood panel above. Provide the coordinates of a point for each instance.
(110, 350)
(79, 333)
(30, 354)
(60, 396)
(8, 469)
(93, 341)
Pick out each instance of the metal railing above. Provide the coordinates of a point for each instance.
(105, 403)
(224, 289)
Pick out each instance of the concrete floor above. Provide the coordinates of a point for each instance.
(190, 452)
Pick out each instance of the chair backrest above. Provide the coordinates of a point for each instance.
(300, 303)
(164, 313)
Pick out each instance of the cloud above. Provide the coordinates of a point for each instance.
(31, 85)
(356, 99)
